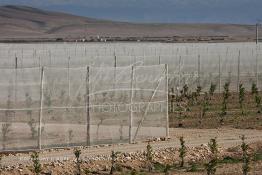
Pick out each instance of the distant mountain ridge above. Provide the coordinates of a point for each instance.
(22, 22)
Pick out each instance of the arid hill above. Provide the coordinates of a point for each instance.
(21, 22)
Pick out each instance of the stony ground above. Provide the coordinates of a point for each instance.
(96, 159)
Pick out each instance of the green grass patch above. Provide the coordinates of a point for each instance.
(194, 167)
(229, 159)
(258, 156)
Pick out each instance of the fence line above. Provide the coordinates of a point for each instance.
(46, 103)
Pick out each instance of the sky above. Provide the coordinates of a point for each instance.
(159, 11)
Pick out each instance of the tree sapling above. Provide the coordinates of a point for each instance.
(241, 98)
(212, 164)
(77, 153)
(36, 163)
(245, 156)
(182, 151)
(114, 155)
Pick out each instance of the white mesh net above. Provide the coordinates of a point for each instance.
(61, 107)
(19, 108)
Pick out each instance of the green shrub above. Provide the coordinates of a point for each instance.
(36, 163)
(241, 97)
(226, 95)
(258, 103)
(167, 169)
(245, 156)
(149, 156)
(77, 153)
(254, 89)
(182, 151)
(114, 166)
(212, 89)
(198, 90)
(212, 164)
(31, 123)
(1, 157)
(205, 105)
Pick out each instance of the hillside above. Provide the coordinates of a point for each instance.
(27, 23)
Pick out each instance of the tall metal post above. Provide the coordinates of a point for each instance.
(88, 107)
(179, 78)
(115, 65)
(115, 61)
(238, 71)
(16, 66)
(219, 72)
(41, 109)
(198, 70)
(131, 106)
(257, 67)
(167, 108)
(50, 58)
(68, 78)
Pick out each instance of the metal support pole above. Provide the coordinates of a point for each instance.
(198, 70)
(15, 89)
(257, 67)
(179, 78)
(143, 56)
(50, 59)
(16, 62)
(115, 60)
(167, 102)
(159, 60)
(41, 109)
(68, 78)
(238, 71)
(219, 72)
(131, 107)
(22, 60)
(88, 107)
(115, 65)
(16, 66)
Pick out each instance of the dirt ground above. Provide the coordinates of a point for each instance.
(97, 158)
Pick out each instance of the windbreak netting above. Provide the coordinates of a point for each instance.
(191, 64)
(61, 107)
(19, 108)
(149, 102)
(110, 96)
(64, 107)
(128, 103)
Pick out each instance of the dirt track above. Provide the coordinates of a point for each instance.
(227, 137)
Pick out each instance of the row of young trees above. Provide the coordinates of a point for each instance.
(210, 167)
(186, 99)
